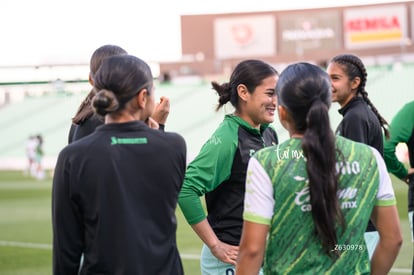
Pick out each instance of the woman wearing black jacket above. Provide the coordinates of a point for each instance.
(115, 191)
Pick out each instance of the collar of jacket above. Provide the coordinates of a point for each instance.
(352, 103)
(246, 125)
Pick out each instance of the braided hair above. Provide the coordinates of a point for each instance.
(354, 67)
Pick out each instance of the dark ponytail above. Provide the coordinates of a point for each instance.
(304, 90)
(225, 94)
(318, 144)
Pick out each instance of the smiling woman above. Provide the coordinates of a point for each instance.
(219, 170)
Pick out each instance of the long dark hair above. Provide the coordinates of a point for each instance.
(304, 90)
(249, 72)
(354, 67)
(118, 80)
(85, 109)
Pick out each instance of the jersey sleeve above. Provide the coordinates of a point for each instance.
(385, 195)
(258, 200)
(401, 128)
(210, 168)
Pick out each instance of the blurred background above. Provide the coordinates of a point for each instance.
(44, 62)
(44, 66)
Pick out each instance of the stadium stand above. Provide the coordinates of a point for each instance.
(192, 113)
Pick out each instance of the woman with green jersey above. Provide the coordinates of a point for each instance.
(219, 170)
(402, 131)
(308, 200)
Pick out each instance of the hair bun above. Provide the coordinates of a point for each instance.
(105, 102)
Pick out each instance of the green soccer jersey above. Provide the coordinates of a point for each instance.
(401, 131)
(277, 194)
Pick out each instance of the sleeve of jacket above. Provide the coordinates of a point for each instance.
(66, 222)
(401, 128)
(210, 168)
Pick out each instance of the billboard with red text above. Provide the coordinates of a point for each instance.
(371, 27)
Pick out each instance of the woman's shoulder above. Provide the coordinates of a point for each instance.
(172, 135)
(225, 133)
(93, 121)
(356, 113)
(347, 143)
(169, 138)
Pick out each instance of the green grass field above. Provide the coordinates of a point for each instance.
(26, 233)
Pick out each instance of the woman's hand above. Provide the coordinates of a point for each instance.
(225, 252)
(161, 110)
(152, 123)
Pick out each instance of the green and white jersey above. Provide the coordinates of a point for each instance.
(277, 194)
